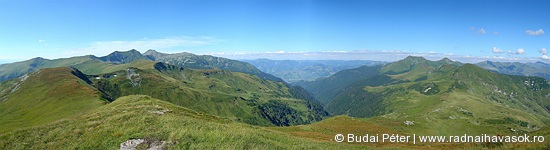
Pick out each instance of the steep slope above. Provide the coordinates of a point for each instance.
(188, 60)
(18, 69)
(538, 69)
(153, 123)
(413, 69)
(307, 70)
(240, 96)
(44, 96)
(326, 89)
(445, 97)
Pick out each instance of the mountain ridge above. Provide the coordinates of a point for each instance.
(17, 69)
(56, 93)
(239, 96)
(426, 91)
(539, 69)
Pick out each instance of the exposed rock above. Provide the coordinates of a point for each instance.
(159, 112)
(452, 117)
(409, 123)
(428, 89)
(131, 144)
(17, 84)
(135, 78)
(157, 145)
(24, 77)
(142, 143)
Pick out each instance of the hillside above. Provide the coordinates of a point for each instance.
(45, 96)
(142, 122)
(18, 69)
(153, 123)
(54, 93)
(440, 97)
(306, 70)
(240, 96)
(326, 89)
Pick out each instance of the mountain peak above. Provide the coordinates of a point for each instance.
(415, 58)
(471, 68)
(123, 56)
(152, 52)
(132, 51)
(37, 59)
(449, 61)
(446, 60)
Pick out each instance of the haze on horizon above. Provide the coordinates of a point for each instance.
(467, 31)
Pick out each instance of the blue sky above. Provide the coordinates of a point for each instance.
(388, 30)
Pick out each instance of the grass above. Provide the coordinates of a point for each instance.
(94, 67)
(324, 131)
(208, 109)
(130, 117)
(181, 128)
(468, 100)
(55, 94)
(17, 69)
(217, 92)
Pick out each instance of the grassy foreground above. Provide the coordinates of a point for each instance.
(143, 117)
(138, 117)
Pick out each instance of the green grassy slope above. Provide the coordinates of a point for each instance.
(236, 95)
(240, 96)
(325, 130)
(45, 96)
(174, 127)
(445, 98)
(17, 69)
(326, 89)
(94, 67)
(137, 117)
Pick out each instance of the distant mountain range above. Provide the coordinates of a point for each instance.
(293, 71)
(306, 70)
(538, 69)
(442, 96)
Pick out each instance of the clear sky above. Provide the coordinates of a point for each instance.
(466, 30)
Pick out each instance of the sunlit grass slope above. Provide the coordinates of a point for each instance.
(45, 96)
(137, 117)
